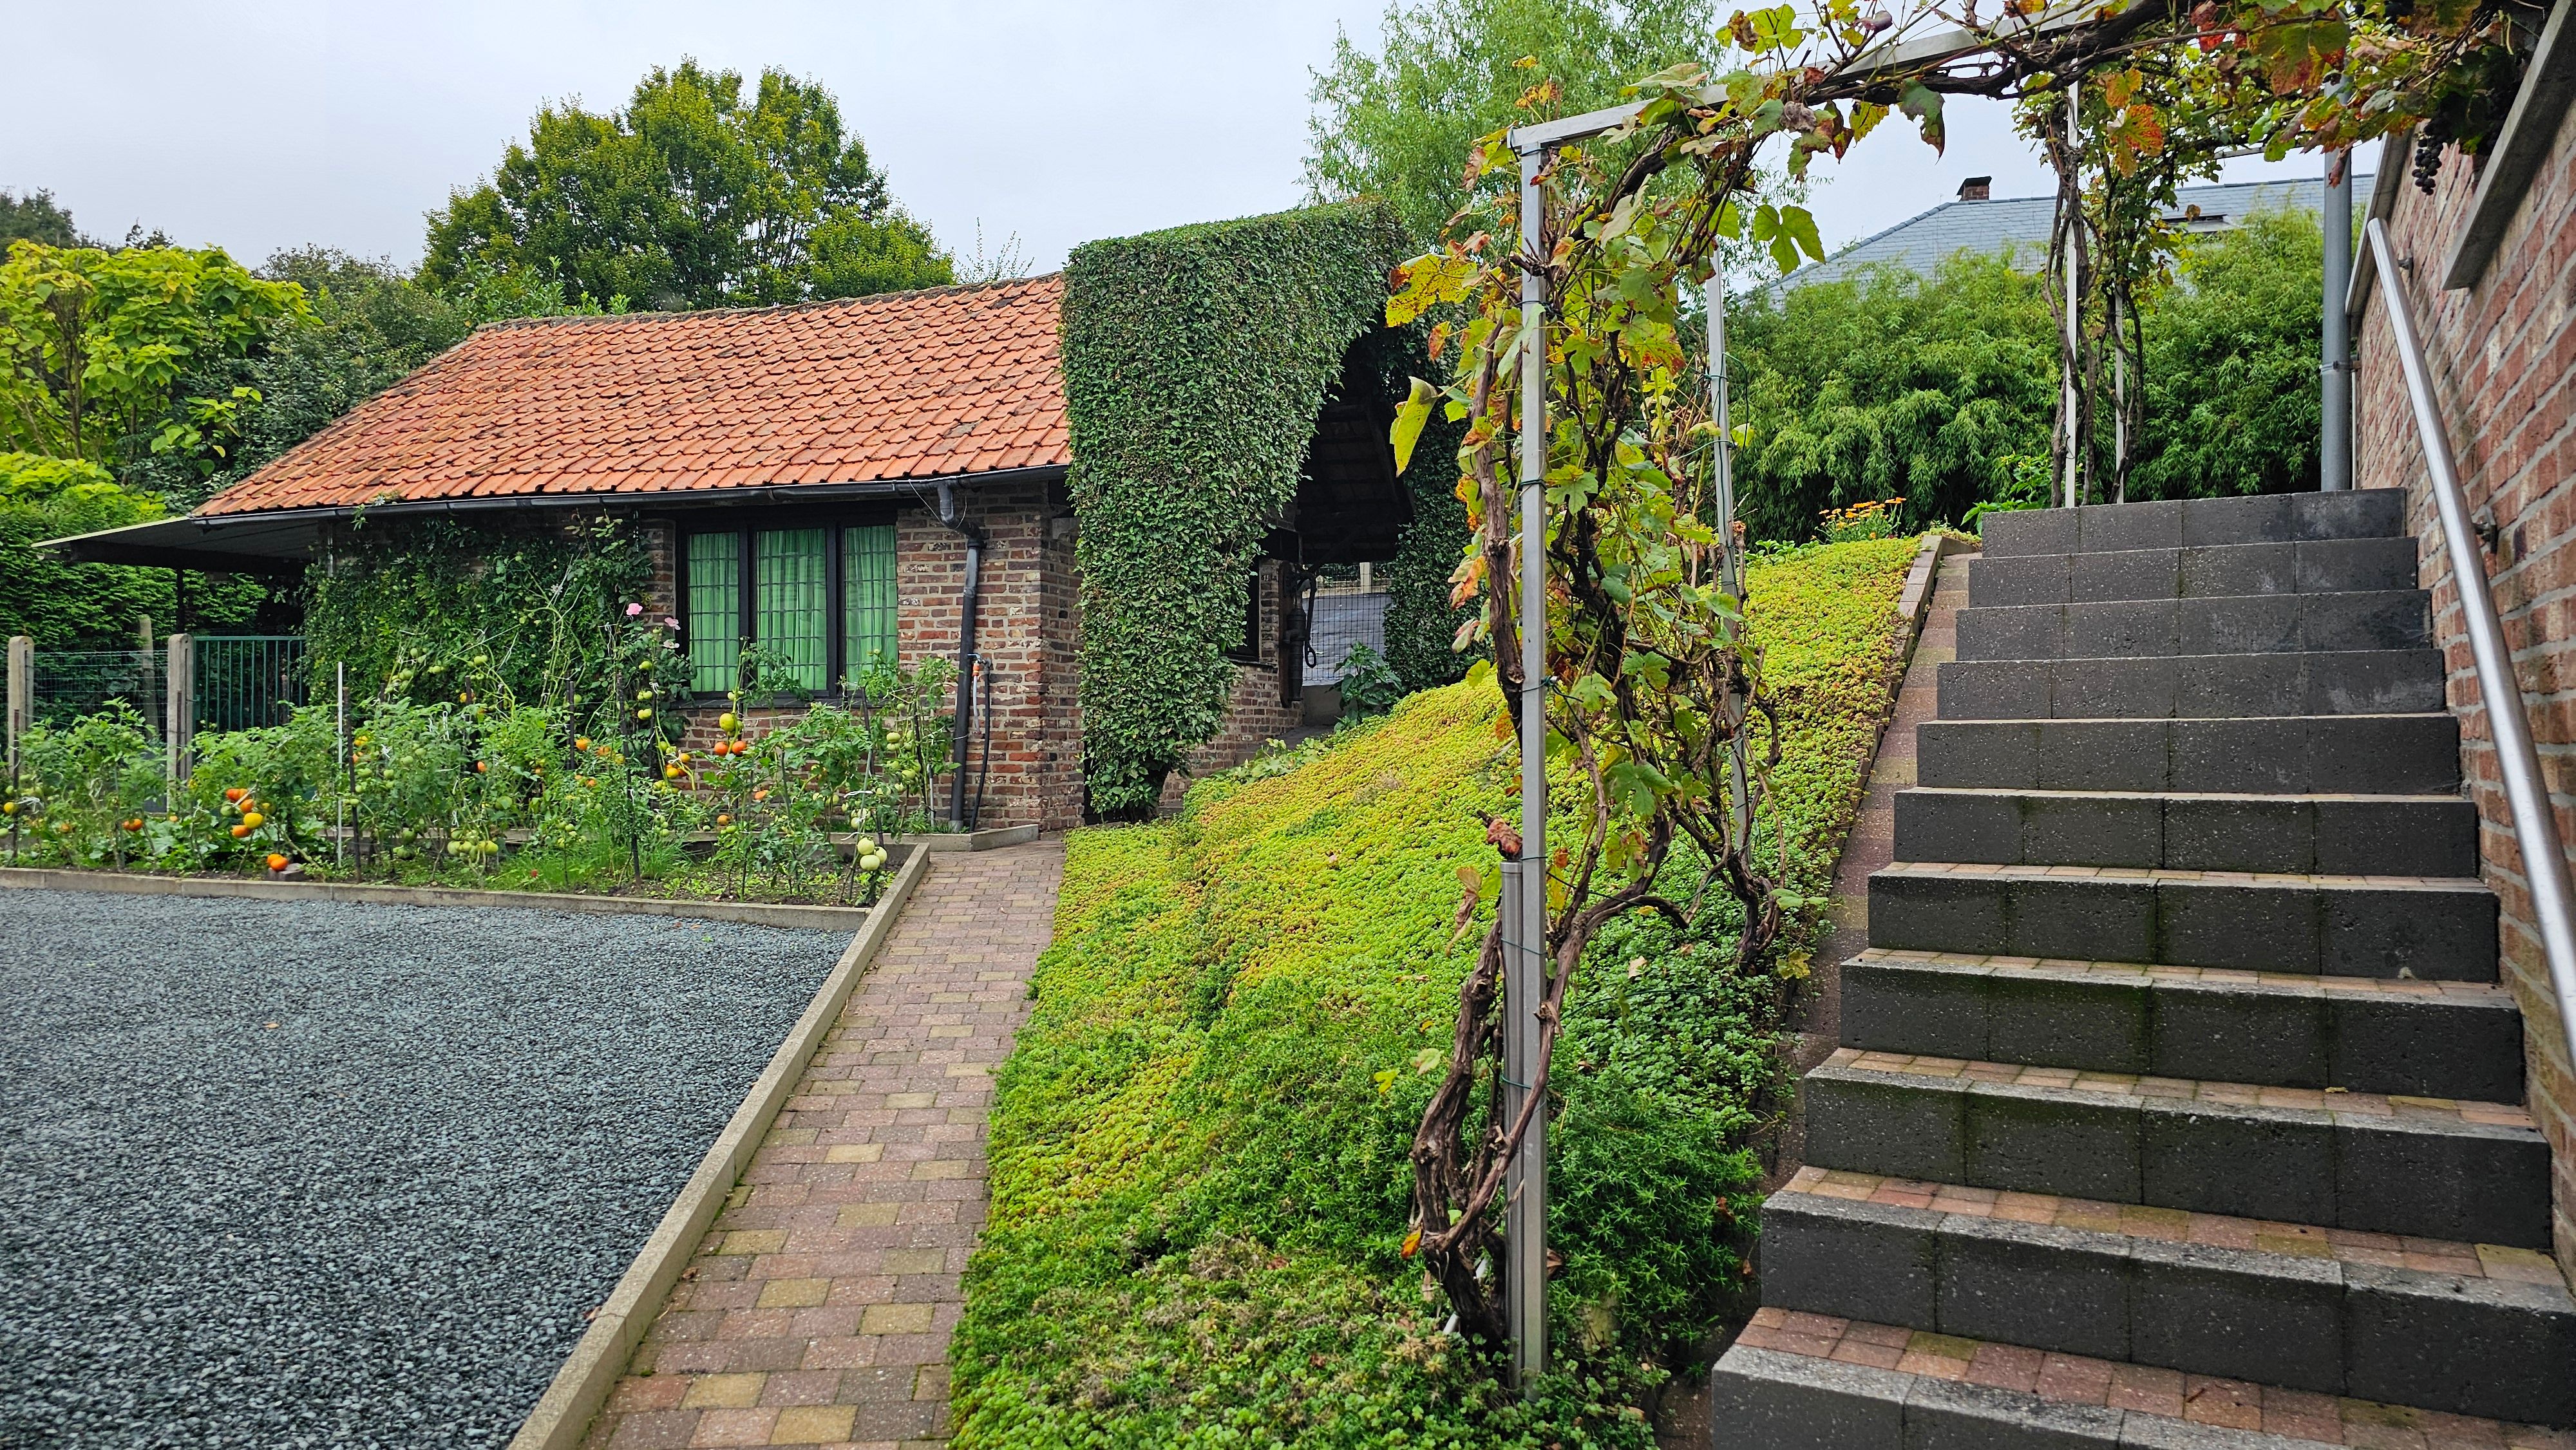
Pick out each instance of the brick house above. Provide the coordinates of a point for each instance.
(2489, 257)
(880, 477)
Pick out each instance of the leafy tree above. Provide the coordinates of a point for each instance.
(96, 346)
(64, 605)
(1399, 123)
(2233, 402)
(35, 217)
(1890, 385)
(692, 196)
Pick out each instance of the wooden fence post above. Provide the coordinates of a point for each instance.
(179, 711)
(22, 693)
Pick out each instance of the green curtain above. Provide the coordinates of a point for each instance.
(791, 605)
(868, 596)
(715, 611)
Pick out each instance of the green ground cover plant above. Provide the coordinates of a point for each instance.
(1200, 1168)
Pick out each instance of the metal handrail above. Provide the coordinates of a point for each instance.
(2535, 824)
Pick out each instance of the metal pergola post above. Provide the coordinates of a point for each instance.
(2334, 450)
(1525, 937)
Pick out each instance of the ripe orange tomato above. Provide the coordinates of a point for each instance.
(276, 862)
(235, 794)
(240, 831)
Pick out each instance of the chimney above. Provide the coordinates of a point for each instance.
(1976, 188)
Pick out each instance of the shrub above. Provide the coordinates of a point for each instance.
(1369, 684)
(1200, 1145)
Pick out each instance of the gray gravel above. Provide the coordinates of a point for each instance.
(313, 1173)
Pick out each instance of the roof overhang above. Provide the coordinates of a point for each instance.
(277, 540)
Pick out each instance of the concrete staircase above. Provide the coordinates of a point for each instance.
(2177, 1103)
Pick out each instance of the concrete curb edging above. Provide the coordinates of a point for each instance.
(563, 1414)
(754, 913)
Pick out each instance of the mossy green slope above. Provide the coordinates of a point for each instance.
(1199, 1147)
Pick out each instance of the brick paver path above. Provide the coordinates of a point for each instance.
(818, 1309)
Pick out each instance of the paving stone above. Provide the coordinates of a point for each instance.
(849, 1264)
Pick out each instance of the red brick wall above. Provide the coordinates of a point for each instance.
(2503, 359)
(1254, 715)
(1029, 632)
(1025, 632)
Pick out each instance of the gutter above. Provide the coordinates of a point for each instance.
(961, 727)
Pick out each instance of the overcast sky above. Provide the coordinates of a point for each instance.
(257, 125)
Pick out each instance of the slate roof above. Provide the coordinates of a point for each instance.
(904, 385)
(1924, 241)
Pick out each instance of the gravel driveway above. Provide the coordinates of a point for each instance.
(315, 1173)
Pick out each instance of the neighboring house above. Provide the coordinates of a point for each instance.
(815, 478)
(1978, 222)
(2489, 261)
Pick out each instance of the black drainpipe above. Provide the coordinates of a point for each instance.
(960, 728)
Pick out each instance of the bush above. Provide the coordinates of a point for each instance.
(1369, 684)
(1200, 1143)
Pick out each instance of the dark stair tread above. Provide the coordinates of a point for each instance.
(2198, 571)
(2424, 926)
(1815, 1382)
(2479, 1329)
(2436, 1167)
(2195, 686)
(2281, 831)
(2279, 625)
(2413, 752)
(2291, 1029)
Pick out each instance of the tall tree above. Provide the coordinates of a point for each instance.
(1399, 122)
(97, 347)
(692, 196)
(35, 217)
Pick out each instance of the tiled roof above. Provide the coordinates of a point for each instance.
(933, 384)
(1927, 239)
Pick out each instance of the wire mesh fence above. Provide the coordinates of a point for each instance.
(241, 681)
(245, 680)
(69, 684)
(1340, 621)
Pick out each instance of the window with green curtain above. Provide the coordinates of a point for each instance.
(867, 596)
(715, 611)
(791, 602)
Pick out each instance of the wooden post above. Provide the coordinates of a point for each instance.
(22, 694)
(179, 708)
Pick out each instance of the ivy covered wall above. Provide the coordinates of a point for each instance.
(534, 601)
(1195, 361)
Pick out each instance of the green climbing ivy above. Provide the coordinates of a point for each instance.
(533, 607)
(1195, 361)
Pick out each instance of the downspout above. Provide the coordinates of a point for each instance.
(960, 729)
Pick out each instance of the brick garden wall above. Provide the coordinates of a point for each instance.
(2503, 359)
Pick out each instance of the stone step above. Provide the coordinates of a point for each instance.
(2439, 1168)
(2319, 566)
(2385, 619)
(2229, 686)
(2273, 1029)
(2399, 754)
(2345, 835)
(2473, 1329)
(2188, 523)
(1795, 1381)
(2438, 928)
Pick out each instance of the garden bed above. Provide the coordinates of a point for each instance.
(1200, 1145)
(322, 1172)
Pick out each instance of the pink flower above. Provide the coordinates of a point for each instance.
(670, 623)
(633, 610)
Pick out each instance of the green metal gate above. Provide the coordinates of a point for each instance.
(248, 679)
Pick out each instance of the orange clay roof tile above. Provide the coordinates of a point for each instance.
(903, 385)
